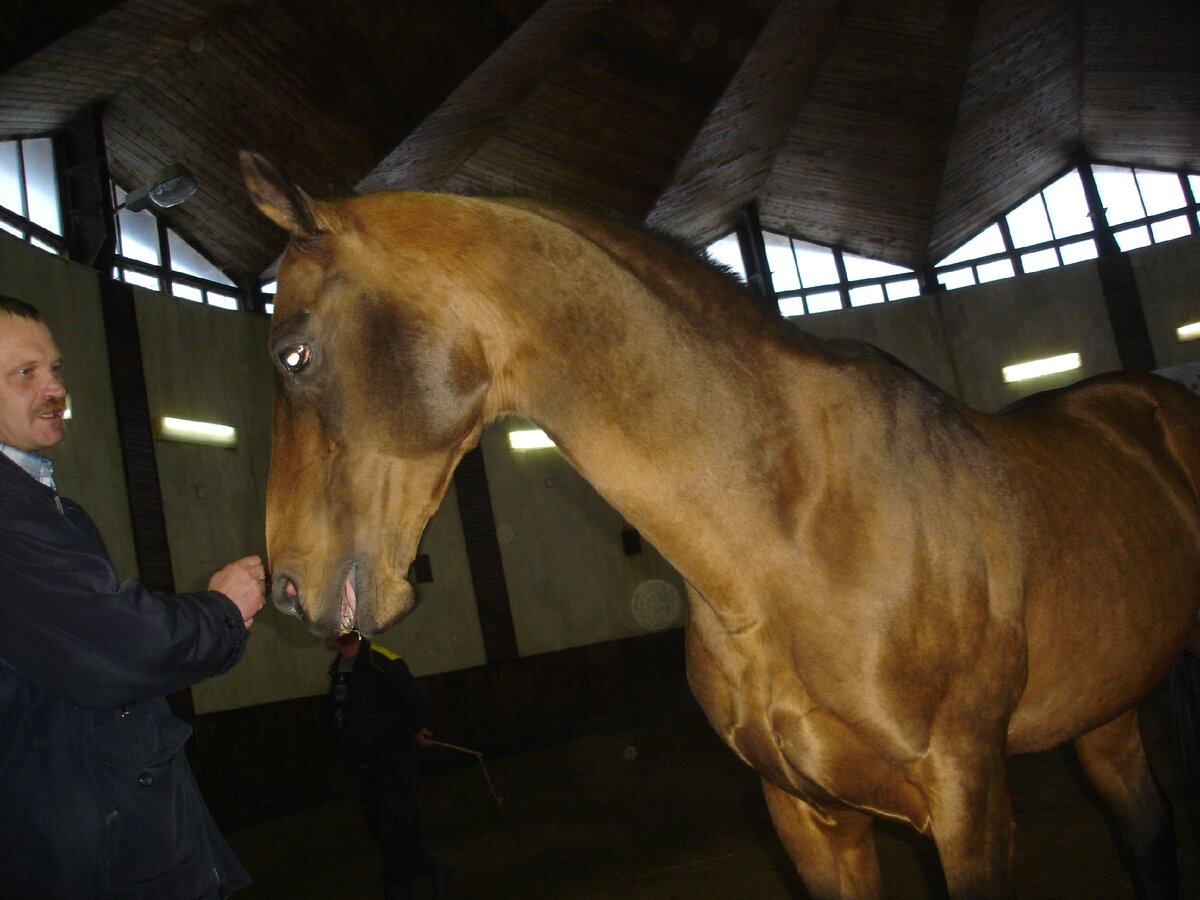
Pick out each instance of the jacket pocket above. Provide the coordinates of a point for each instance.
(145, 797)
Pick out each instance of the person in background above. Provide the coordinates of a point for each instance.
(379, 714)
(96, 796)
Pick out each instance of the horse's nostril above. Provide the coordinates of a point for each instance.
(286, 594)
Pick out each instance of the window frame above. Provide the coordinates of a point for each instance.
(17, 222)
(844, 285)
(1103, 234)
(167, 276)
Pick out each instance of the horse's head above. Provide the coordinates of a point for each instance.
(380, 389)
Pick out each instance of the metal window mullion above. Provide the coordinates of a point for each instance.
(22, 182)
(164, 257)
(1190, 206)
(1010, 250)
(1106, 243)
(843, 278)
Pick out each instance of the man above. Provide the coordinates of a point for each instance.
(379, 713)
(96, 796)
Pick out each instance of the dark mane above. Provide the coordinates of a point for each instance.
(716, 298)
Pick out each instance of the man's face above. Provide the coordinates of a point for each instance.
(32, 395)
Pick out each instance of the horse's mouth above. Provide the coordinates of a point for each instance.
(349, 601)
(285, 591)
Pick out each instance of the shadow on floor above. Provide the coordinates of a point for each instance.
(667, 812)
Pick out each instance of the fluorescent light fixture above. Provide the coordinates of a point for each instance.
(168, 428)
(1036, 368)
(529, 439)
(1189, 332)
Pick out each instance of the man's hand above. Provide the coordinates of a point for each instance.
(424, 738)
(244, 582)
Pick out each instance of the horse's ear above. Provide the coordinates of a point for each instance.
(281, 201)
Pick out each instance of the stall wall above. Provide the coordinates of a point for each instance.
(1168, 278)
(87, 464)
(570, 580)
(960, 340)
(213, 365)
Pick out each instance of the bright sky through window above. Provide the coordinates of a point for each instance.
(42, 185)
(29, 189)
(727, 252)
(1054, 227)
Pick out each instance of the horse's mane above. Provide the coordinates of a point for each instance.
(679, 272)
(717, 298)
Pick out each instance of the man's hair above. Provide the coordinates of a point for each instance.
(14, 307)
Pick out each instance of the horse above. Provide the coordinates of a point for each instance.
(888, 592)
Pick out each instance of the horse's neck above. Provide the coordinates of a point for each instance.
(674, 425)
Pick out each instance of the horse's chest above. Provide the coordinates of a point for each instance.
(761, 708)
(774, 728)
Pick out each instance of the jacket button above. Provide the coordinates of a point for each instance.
(145, 779)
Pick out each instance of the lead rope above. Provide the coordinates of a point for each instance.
(491, 789)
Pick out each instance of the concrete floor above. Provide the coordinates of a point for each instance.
(667, 812)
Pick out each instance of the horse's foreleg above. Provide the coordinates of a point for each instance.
(833, 852)
(1115, 762)
(971, 819)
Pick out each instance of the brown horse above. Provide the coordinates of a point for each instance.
(916, 589)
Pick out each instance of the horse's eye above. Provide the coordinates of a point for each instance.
(295, 357)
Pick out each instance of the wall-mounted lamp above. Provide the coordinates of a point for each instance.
(168, 428)
(169, 187)
(529, 439)
(1189, 332)
(1036, 368)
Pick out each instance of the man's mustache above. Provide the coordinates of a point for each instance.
(53, 406)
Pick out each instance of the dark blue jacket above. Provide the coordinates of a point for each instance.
(96, 796)
(384, 708)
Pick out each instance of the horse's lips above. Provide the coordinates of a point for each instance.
(349, 602)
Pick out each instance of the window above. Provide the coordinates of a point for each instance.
(1145, 206)
(810, 278)
(1054, 227)
(29, 203)
(269, 289)
(151, 255)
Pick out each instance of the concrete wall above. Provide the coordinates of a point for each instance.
(569, 581)
(212, 365)
(1168, 279)
(960, 340)
(87, 464)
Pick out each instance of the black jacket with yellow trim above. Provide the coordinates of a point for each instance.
(384, 708)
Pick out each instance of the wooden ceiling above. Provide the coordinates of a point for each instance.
(891, 128)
